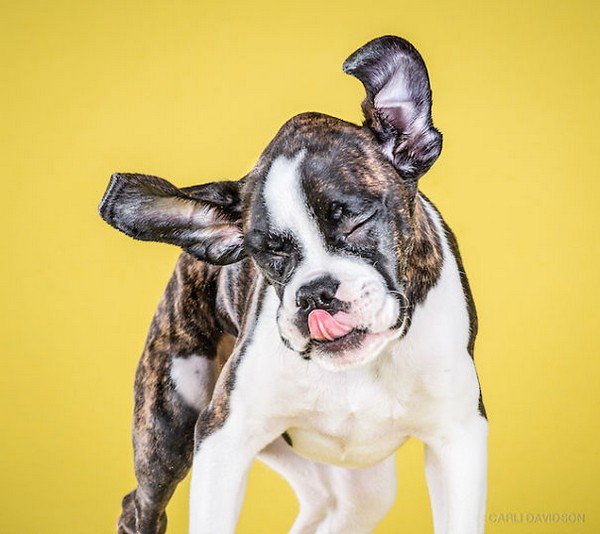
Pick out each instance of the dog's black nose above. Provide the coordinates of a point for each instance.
(318, 294)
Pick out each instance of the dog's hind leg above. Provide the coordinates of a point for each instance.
(363, 497)
(174, 381)
(308, 479)
(334, 499)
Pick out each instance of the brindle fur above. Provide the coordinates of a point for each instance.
(203, 306)
(190, 320)
(163, 424)
(206, 307)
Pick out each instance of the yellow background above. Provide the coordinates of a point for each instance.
(193, 91)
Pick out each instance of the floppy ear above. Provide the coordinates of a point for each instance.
(204, 220)
(397, 107)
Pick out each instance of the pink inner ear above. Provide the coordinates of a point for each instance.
(400, 114)
(325, 327)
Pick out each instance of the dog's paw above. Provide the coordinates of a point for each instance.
(126, 522)
(134, 521)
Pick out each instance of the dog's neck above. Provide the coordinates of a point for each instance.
(424, 262)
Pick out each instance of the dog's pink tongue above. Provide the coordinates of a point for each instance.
(325, 327)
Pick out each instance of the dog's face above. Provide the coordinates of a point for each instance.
(327, 221)
(326, 213)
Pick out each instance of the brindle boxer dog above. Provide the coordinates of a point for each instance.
(341, 295)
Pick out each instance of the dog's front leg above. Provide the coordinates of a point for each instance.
(229, 435)
(219, 474)
(456, 469)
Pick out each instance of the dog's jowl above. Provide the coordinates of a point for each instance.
(318, 317)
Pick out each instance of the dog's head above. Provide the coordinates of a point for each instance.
(327, 213)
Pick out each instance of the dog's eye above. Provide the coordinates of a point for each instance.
(274, 243)
(278, 245)
(356, 224)
(336, 211)
(276, 264)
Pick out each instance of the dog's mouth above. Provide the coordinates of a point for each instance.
(334, 333)
(352, 340)
(323, 326)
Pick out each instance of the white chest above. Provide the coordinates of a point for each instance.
(354, 419)
(357, 417)
(422, 382)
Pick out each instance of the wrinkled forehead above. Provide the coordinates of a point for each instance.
(312, 166)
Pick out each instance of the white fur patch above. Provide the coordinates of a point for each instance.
(286, 203)
(194, 379)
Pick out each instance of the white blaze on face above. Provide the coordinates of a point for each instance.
(287, 207)
(371, 306)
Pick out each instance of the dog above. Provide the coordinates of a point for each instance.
(318, 317)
